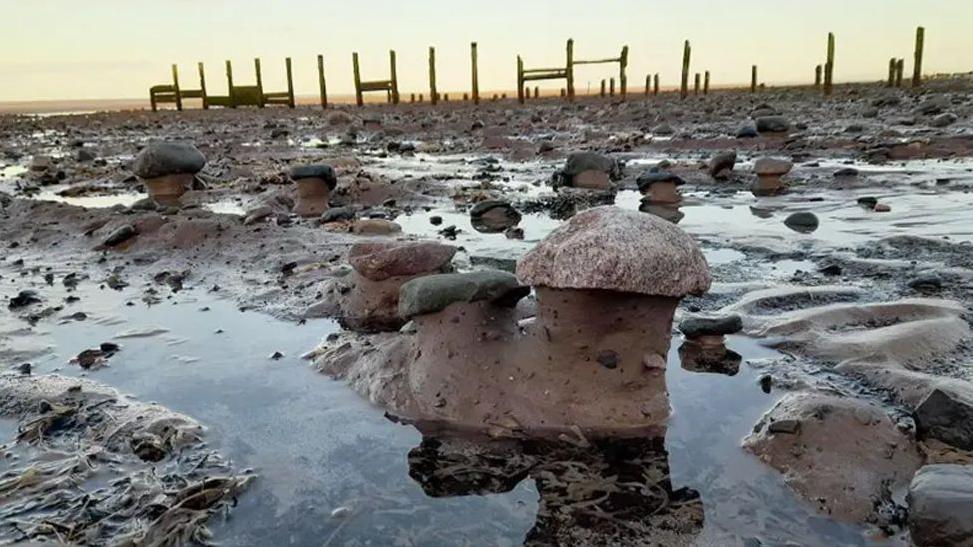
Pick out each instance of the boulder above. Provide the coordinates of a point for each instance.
(318, 171)
(647, 179)
(772, 167)
(721, 164)
(773, 124)
(168, 158)
(695, 327)
(493, 216)
(609, 248)
(804, 222)
(940, 503)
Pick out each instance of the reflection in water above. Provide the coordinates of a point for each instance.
(667, 212)
(714, 359)
(615, 492)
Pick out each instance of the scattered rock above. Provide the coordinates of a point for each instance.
(23, 299)
(492, 216)
(380, 261)
(804, 222)
(168, 158)
(773, 124)
(120, 235)
(695, 327)
(946, 416)
(722, 164)
(940, 503)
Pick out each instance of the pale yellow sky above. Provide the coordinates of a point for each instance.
(101, 49)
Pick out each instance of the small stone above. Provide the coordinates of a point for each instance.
(277, 356)
(121, 234)
(608, 359)
(846, 172)
(695, 327)
(943, 120)
(882, 208)
(868, 202)
(747, 131)
(773, 124)
(803, 222)
(927, 282)
(338, 214)
(772, 167)
(23, 299)
(831, 270)
(787, 427)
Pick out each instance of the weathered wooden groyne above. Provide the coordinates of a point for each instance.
(255, 95)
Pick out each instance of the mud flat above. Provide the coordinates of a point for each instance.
(806, 378)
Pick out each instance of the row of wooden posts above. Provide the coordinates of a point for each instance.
(255, 95)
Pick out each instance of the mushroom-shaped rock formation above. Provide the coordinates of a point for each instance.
(493, 216)
(167, 170)
(371, 298)
(314, 185)
(721, 165)
(660, 187)
(592, 360)
(769, 171)
(588, 170)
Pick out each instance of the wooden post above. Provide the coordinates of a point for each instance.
(686, 54)
(817, 76)
(537, 92)
(648, 84)
(322, 85)
(394, 77)
(899, 69)
(917, 69)
(290, 83)
(229, 83)
(706, 83)
(622, 76)
(526, 92)
(202, 85)
(433, 94)
(602, 94)
(753, 79)
(893, 67)
(520, 79)
(611, 87)
(175, 85)
(655, 84)
(359, 99)
(260, 83)
(476, 75)
(563, 93)
(829, 66)
(570, 68)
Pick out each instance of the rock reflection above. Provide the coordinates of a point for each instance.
(718, 359)
(612, 492)
(672, 213)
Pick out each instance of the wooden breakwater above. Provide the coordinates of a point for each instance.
(254, 94)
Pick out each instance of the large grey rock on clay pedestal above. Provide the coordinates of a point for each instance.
(940, 503)
(168, 158)
(613, 249)
(434, 293)
(380, 261)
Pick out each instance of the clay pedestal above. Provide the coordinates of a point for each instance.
(312, 197)
(167, 190)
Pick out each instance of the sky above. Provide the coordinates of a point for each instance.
(107, 49)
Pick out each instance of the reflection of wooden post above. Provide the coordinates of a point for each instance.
(920, 44)
(202, 85)
(696, 83)
(686, 53)
(706, 83)
(622, 76)
(817, 76)
(753, 79)
(290, 82)
(570, 69)
(229, 83)
(655, 84)
(394, 77)
(322, 86)
(899, 69)
(893, 67)
(175, 87)
(260, 83)
(476, 75)
(520, 79)
(358, 94)
(433, 94)
(829, 66)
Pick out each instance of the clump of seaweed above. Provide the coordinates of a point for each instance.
(91, 466)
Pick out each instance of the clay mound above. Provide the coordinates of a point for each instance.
(845, 455)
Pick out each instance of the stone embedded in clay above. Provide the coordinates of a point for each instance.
(492, 216)
(314, 185)
(167, 170)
